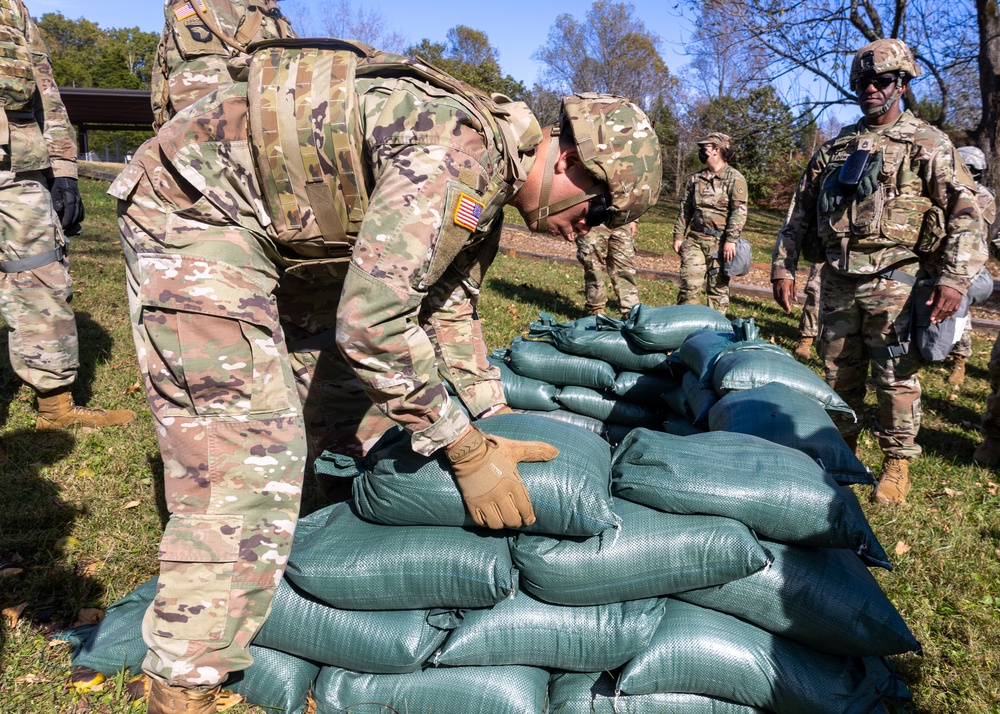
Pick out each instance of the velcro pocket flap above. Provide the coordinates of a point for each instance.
(202, 538)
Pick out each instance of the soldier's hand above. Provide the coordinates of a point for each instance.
(784, 293)
(728, 250)
(485, 469)
(678, 242)
(67, 203)
(946, 302)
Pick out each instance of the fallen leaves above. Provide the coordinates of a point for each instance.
(902, 548)
(13, 614)
(88, 616)
(131, 504)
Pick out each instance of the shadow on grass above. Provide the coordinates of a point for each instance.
(550, 300)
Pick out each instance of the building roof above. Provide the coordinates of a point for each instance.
(108, 109)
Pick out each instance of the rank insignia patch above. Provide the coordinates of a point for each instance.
(468, 211)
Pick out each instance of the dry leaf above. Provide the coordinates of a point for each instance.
(131, 504)
(7, 572)
(992, 487)
(133, 388)
(227, 700)
(91, 570)
(13, 614)
(33, 678)
(952, 493)
(88, 616)
(902, 548)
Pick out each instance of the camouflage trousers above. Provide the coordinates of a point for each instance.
(991, 417)
(35, 303)
(612, 252)
(862, 316)
(236, 412)
(809, 323)
(701, 271)
(963, 348)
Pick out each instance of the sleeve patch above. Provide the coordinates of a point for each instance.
(467, 212)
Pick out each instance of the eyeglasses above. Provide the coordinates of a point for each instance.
(880, 81)
(597, 211)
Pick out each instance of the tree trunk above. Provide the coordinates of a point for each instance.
(986, 134)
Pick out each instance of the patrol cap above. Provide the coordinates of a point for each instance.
(716, 138)
(973, 157)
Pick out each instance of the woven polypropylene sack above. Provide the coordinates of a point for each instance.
(581, 421)
(542, 360)
(665, 328)
(608, 409)
(701, 349)
(570, 494)
(780, 414)
(743, 369)
(644, 387)
(524, 630)
(379, 641)
(277, 681)
(822, 597)
(116, 643)
(652, 554)
(594, 693)
(674, 423)
(524, 392)
(444, 690)
(706, 652)
(601, 339)
(692, 400)
(352, 564)
(779, 492)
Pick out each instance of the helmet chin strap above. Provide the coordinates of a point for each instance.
(896, 95)
(545, 209)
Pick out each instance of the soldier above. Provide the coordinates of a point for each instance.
(342, 204)
(612, 251)
(199, 37)
(809, 321)
(865, 196)
(40, 205)
(975, 160)
(713, 211)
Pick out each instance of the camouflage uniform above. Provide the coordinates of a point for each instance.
(36, 142)
(218, 302)
(713, 211)
(809, 322)
(988, 206)
(611, 250)
(875, 245)
(191, 58)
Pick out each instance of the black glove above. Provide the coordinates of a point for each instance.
(868, 183)
(67, 203)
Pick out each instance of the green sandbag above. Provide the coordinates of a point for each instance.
(780, 414)
(276, 682)
(601, 338)
(674, 423)
(822, 597)
(743, 369)
(570, 494)
(778, 492)
(706, 652)
(524, 392)
(665, 328)
(116, 643)
(594, 693)
(445, 690)
(523, 630)
(701, 349)
(385, 642)
(541, 360)
(652, 554)
(352, 564)
(595, 426)
(692, 399)
(610, 410)
(644, 388)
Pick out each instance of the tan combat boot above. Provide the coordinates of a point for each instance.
(56, 410)
(957, 376)
(895, 482)
(803, 350)
(987, 453)
(164, 699)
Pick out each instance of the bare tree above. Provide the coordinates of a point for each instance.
(724, 60)
(989, 77)
(340, 18)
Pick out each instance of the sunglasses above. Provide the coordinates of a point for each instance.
(598, 212)
(880, 81)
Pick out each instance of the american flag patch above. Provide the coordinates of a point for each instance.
(468, 211)
(183, 12)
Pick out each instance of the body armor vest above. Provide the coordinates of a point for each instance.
(17, 79)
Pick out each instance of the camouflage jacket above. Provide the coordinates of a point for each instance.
(407, 319)
(988, 207)
(35, 132)
(191, 59)
(923, 206)
(713, 204)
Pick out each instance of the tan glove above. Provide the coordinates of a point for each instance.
(485, 468)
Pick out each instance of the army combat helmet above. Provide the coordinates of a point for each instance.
(881, 57)
(617, 145)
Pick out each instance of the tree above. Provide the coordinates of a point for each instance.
(340, 18)
(72, 45)
(468, 55)
(986, 135)
(723, 61)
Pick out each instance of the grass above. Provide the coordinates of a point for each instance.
(81, 514)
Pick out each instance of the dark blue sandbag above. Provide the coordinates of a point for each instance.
(692, 399)
(779, 492)
(706, 652)
(600, 337)
(594, 693)
(352, 564)
(444, 690)
(115, 643)
(644, 387)
(570, 494)
(523, 630)
(542, 360)
(822, 597)
(665, 328)
(384, 642)
(652, 554)
(607, 409)
(524, 392)
(701, 349)
(276, 681)
(780, 414)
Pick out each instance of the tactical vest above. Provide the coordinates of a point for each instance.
(17, 79)
(305, 132)
(225, 27)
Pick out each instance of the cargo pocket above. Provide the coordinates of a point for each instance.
(197, 559)
(904, 218)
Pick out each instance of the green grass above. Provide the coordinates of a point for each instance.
(81, 514)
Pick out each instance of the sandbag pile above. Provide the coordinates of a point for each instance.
(716, 572)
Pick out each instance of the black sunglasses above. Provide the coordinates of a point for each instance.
(880, 81)
(598, 212)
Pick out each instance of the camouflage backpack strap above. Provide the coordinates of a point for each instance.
(17, 78)
(305, 134)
